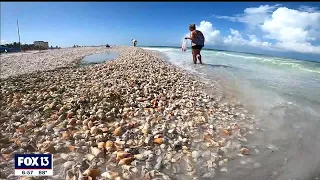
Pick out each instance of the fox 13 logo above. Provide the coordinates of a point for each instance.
(33, 165)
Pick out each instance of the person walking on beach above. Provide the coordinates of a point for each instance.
(134, 42)
(197, 43)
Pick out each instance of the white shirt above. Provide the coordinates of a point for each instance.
(133, 40)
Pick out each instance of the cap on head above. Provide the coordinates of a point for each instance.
(192, 26)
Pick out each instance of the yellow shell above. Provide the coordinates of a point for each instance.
(158, 140)
(109, 145)
(117, 131)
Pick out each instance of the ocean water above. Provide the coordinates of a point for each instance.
(283, 93)
(99, 58)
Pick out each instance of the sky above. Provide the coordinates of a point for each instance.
(280, 29)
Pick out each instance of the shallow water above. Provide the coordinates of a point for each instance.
(285, 96)
(99, 58)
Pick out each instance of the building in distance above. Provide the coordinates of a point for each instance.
(42, 44)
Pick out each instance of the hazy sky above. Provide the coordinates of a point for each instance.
(271, 28)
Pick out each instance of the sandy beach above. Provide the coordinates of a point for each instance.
(135, 117)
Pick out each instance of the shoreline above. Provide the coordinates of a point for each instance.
(138, 116)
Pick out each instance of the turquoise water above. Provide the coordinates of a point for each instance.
(283, 93)
(99, 58)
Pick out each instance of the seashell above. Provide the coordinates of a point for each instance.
(92, 173)
(90, 124)
(159, 164)
(20, 130)
(68, 164)
(117, 131)
(71, 148)
(52, 105)
(209, 174)
(224, 169)
(65, 135)
(77, 135)
(95, 151)
(110, 175)
(94, 130)
(158, 152)
(49, 147)
(162, 146)
(126, 176)
(189, 104)
(244, 151)
(140, 157)
(131, 169)
(72, 121)
(170, 131)
(121, 155)
(126, 161)
(190, 168)
(85, 122)
(243, 116)
(109, 145)
(90, 157)
(6, 156)
(70, 114)
(140, 99)
(105, 129)
(207, 138)
(88, 143)
(145, 129)
(119, 145)
(101, 145)
(85, 128)
(226, 132)
(195, 154)
(84, 136)
(132, 124)
(158, 140)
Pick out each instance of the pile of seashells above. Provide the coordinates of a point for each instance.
(136, 117)
(13, 64)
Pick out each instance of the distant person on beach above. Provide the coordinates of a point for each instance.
(197, 43)
(134, 42)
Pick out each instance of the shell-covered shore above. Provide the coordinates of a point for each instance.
(136, 117)
(13, 64)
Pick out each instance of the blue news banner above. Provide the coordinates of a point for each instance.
(33, 165)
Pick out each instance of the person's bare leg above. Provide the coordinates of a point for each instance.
(198, 55)
(194, 56)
